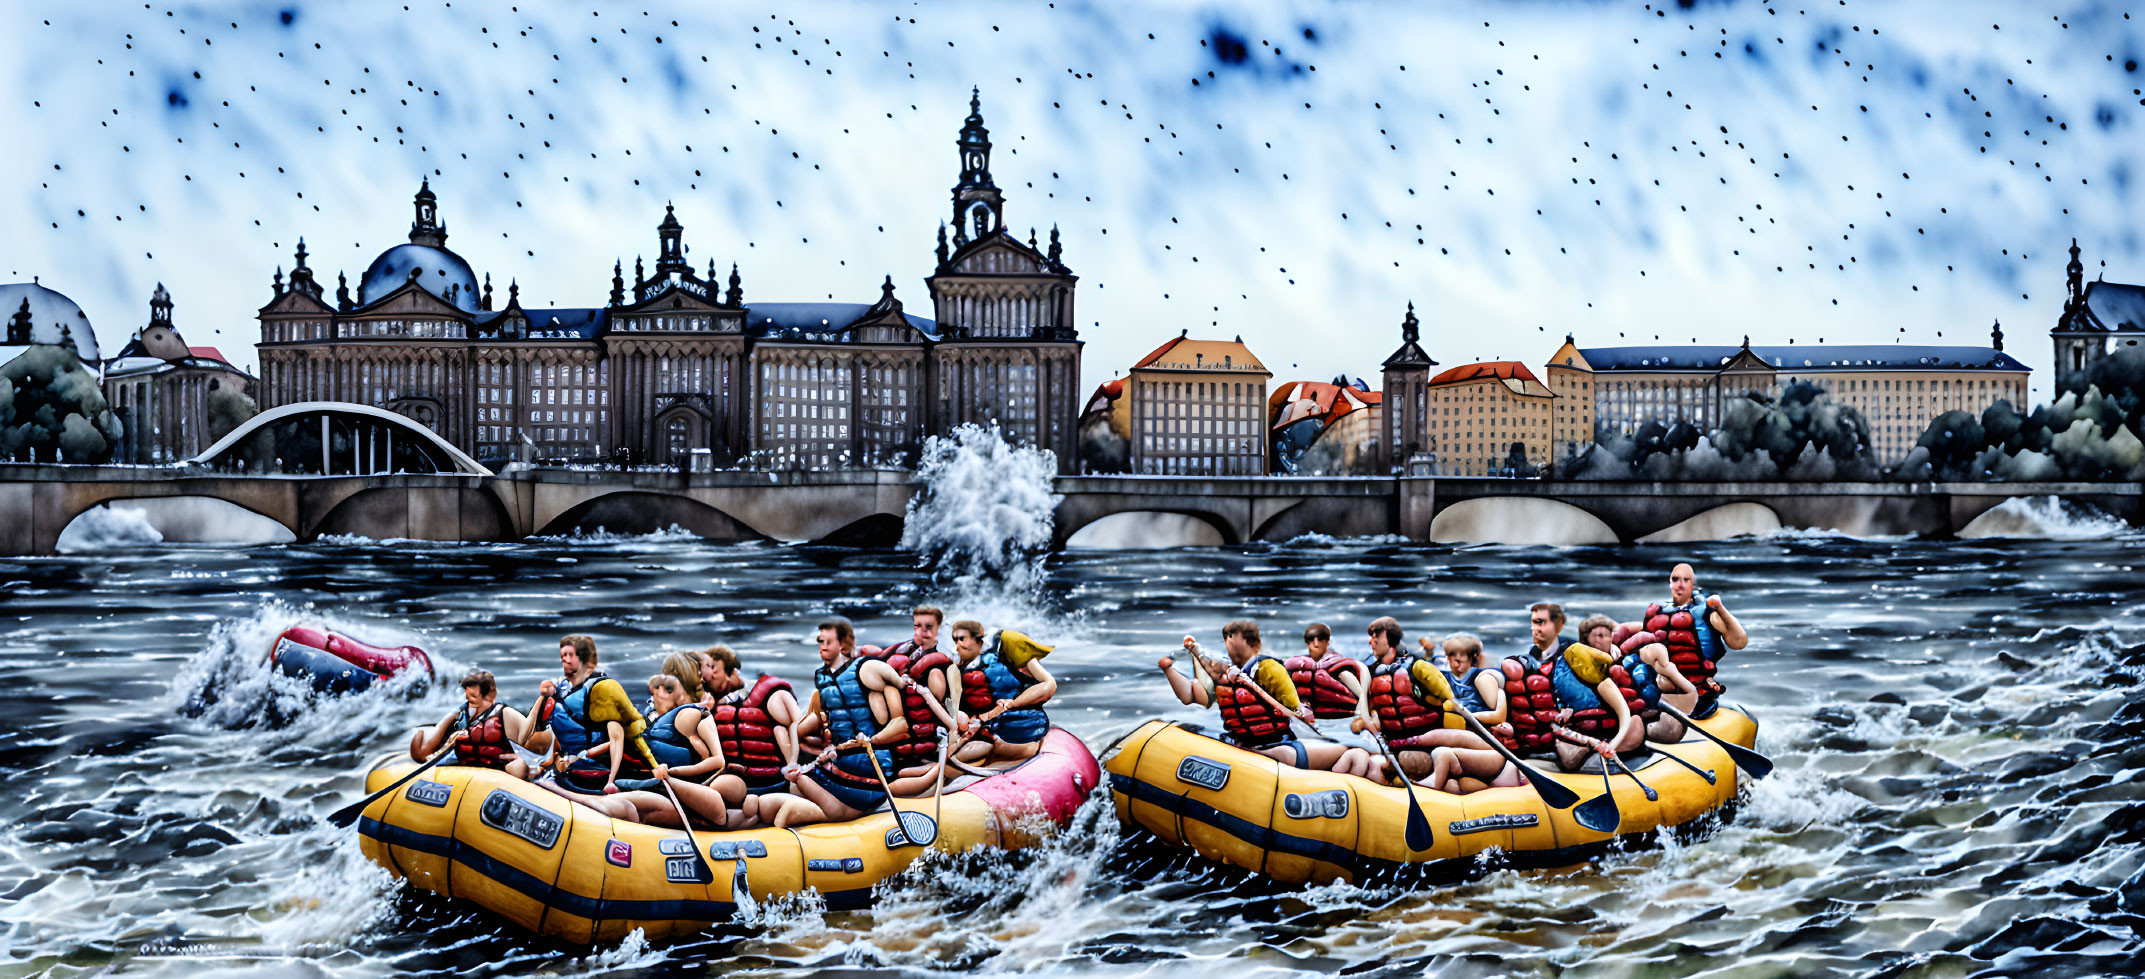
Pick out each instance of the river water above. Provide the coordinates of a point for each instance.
(1956, 725)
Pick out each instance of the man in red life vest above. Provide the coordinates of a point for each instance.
(1331, 683)
(1402, 709)
(1251, 722)
(928, 678)
(757, 725)
(480, 735)
(1698, 631)
(1530, 703)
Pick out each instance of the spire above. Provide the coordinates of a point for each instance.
(2074, 280)
(1410, 328)
(427, 230)
(1996, 335)
(736, 296)
(978, 207)
(711, 271)
(342, 291)
(513, 294)
(301, 276)
(671, 258)
(1410, 354)
(160, 307)
(640, 273)
(942, 256)
(618, 283)
(18, 326)
(486, 304)
(279, 280)
(1746, 341)
(1057, 262)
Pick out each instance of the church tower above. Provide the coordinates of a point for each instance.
(1406, 400)
(2079, 342)
(1008, 351)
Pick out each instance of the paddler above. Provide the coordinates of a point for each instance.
(575, 709)
(1002, 693)
(757, 727)
(929, 682)
(1251, 720)
(1698, 631)
(1332, 683)
(480, 734)
(1653, 674)
(686, 748)
(855, 698)
(1595, 714)
(1404, 709)
(1530, 705)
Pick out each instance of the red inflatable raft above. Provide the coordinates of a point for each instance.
(335, 663)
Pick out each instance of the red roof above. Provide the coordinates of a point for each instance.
(1499, 369)
(1158, 352)
(210, 353)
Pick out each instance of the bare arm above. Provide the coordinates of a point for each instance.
(1731, 631)
(434, 739)
(617, 734)
(705, 744)
(782, 708)
(1490, 685)
(1045, 687)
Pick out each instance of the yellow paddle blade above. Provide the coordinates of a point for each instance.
(1017, 650)
(1433, 680)
(1592, 665)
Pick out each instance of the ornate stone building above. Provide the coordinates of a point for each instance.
(166, 393)
(676, 369)
(1198, 407)
(2097, 317)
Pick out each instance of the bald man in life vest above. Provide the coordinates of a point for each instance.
(1698, 631)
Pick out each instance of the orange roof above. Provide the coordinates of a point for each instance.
(1298, 400)
(1493, 369)
(209, 352)
(1181, 353)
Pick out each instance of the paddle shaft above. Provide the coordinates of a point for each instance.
(348, 814)
(1750, 761)
(895, 805)
(687, 824)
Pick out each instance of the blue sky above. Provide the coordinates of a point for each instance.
(1846, 171)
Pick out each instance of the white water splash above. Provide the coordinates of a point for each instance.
(230, 684)
(2044, 518)
(984, 516)
(672, 534)
(109, 528)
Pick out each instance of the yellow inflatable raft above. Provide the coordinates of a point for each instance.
(1248, 810)
(564, 870)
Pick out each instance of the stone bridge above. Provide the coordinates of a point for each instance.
(865, 508)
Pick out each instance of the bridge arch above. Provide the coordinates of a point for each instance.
(640, 512)
(1519, 520)
(334, 438)
(1109, 530)
(179, 518)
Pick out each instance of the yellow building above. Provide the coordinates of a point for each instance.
(1198, 407)
(1477, 411)
(1898, 389)
(1571, 423)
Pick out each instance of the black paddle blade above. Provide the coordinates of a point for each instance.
(345, 817)
(1556, 794)
(1418, 834)
(1599, 814)
(1750, 761)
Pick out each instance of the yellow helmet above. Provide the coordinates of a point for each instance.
(1016, 649)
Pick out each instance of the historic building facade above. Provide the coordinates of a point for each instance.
(1405, 399)
(1898, 389)
(1198, 407)
(1478, 412)
(677, 369)
(2098, 316)
(172, 400)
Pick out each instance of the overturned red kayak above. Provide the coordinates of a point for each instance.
(335, 663)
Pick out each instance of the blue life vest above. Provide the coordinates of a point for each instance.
(670, 745)
(1024, 724)
(1643, 679)
(1464, 692)
(847, 704)
(570, 726)
(1571, 691)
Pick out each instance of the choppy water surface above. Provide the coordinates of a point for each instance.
(1956, 725)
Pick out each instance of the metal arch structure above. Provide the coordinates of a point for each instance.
(391, 422)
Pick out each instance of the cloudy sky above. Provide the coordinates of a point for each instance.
(1295, 173)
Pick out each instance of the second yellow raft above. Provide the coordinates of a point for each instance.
(1296, 825)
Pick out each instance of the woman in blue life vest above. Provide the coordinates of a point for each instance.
(853, 698)
(480, 730)
(687, 749)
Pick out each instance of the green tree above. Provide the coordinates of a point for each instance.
(52, 409)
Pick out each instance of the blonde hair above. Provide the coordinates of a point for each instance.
(1463, 644)
(684, 669)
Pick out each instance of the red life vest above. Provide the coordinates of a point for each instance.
(1597, 720)
(747, 730)
(1318, 683)
(1530, 705)
(1692, 644)
(1403, 712)
(486, 746)
(924, 730)
(1244, 713)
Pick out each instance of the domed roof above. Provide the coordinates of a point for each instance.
(48, 309)
(441, 273)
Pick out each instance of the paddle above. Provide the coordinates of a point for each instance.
(1750, 761)
(1704, 773)
(1418, 830)
(1600, 813)
(702, 873)
(349, 814)
(916, 827)
(1651, 795)
(1555, 794)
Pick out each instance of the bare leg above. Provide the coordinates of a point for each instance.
(1002, 752)
(791, 810)
(609, 805)
(916, 781)
(829, 807)
(518, 769)
(1571, 757)
(1448, 737)
(1414, 765)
